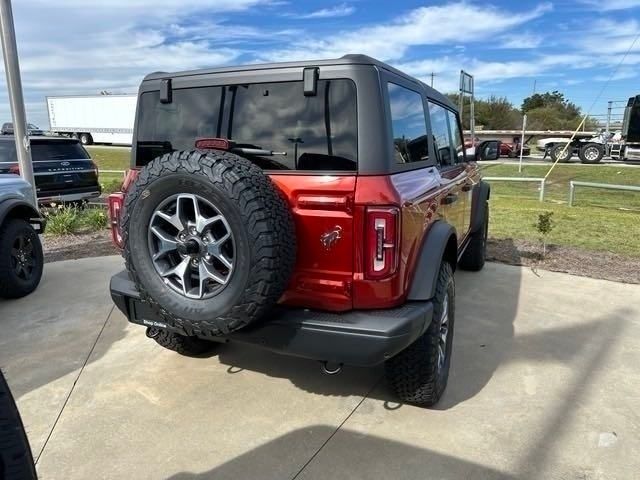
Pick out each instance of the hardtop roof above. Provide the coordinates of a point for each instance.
(350, 59)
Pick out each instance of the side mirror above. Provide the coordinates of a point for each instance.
(489, 150)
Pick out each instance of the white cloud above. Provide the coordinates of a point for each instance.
(520, 41)
(611, 5)
(342, 10)
(433, 25)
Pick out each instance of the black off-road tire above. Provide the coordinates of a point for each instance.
(262, 226)
(86, 139)
(16, 461)
(415, 374)
(594, 147)
(12, 285)
(187, 346)
(475, 254)
(556, 150)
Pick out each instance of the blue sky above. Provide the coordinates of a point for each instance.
(74, 47)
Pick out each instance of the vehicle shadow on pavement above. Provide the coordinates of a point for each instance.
(486, 307)
(350, 454)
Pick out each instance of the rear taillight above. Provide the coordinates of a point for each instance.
(381, 258)
(130, 177)
(213, 143)
(15, 169)
(116, 200)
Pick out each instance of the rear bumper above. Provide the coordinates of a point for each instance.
(47, 197)
(359, 338)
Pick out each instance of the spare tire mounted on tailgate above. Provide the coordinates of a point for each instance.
(209, 240)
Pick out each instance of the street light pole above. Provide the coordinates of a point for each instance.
(16, 100)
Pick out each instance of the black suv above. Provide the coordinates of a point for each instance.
(63, 169)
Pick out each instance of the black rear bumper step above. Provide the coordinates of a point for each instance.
(359, 338)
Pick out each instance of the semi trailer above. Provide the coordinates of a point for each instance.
(93, 118)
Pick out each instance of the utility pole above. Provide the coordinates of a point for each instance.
(609, 108)
(534, 86)
(432, 75)
(16, 100)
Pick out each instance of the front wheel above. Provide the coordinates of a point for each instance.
(591, 153)
(21, 259)
(419, 373)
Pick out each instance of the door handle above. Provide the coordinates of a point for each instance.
(466, 187)
(449, 199)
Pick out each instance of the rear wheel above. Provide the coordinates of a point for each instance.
(21, 259)
(187, 346)
(419, 373)
(561, 154)
(591, 153)
(86, 139)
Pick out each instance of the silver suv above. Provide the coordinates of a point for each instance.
(21, 256)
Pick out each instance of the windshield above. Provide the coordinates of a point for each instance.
(304, 132)
(57, 151)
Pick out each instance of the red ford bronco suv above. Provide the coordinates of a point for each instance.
(318, 209)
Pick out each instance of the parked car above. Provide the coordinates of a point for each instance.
(7, 129)
(510, 150)
(314, 212)
(21, 257)
(63, 169)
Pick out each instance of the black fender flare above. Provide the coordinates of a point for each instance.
(434, 247)
(27, 211)
(481, 193)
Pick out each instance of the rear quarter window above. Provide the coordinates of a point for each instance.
(316, 133)
(57, 151)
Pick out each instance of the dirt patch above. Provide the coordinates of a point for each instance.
(575, 261)
(82, 245)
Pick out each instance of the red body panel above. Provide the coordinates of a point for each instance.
(322, 207)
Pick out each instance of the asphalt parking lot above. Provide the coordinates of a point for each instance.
(544, 385)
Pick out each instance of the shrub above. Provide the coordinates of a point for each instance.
(61, 220)
(94, 219)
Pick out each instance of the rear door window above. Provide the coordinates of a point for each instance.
(456, 136)
(57, 151)
(305, 133)
(408, 123)
(442, 138)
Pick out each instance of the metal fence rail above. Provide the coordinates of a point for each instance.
(541, 181)
(608, 186)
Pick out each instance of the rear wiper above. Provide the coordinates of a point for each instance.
(256, 151)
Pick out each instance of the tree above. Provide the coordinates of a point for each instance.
(551, 111)
(495, 113)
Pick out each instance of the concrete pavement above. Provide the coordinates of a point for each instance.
(544, 384)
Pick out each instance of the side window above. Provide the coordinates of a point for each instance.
(442, 140)
(456, 136)
(408, 124)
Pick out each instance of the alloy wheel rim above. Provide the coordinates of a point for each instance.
(192, 246)
(23, 257)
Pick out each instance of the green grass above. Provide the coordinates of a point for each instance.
(110, 158)
(601, 220)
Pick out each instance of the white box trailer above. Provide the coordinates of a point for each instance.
(93, 118)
